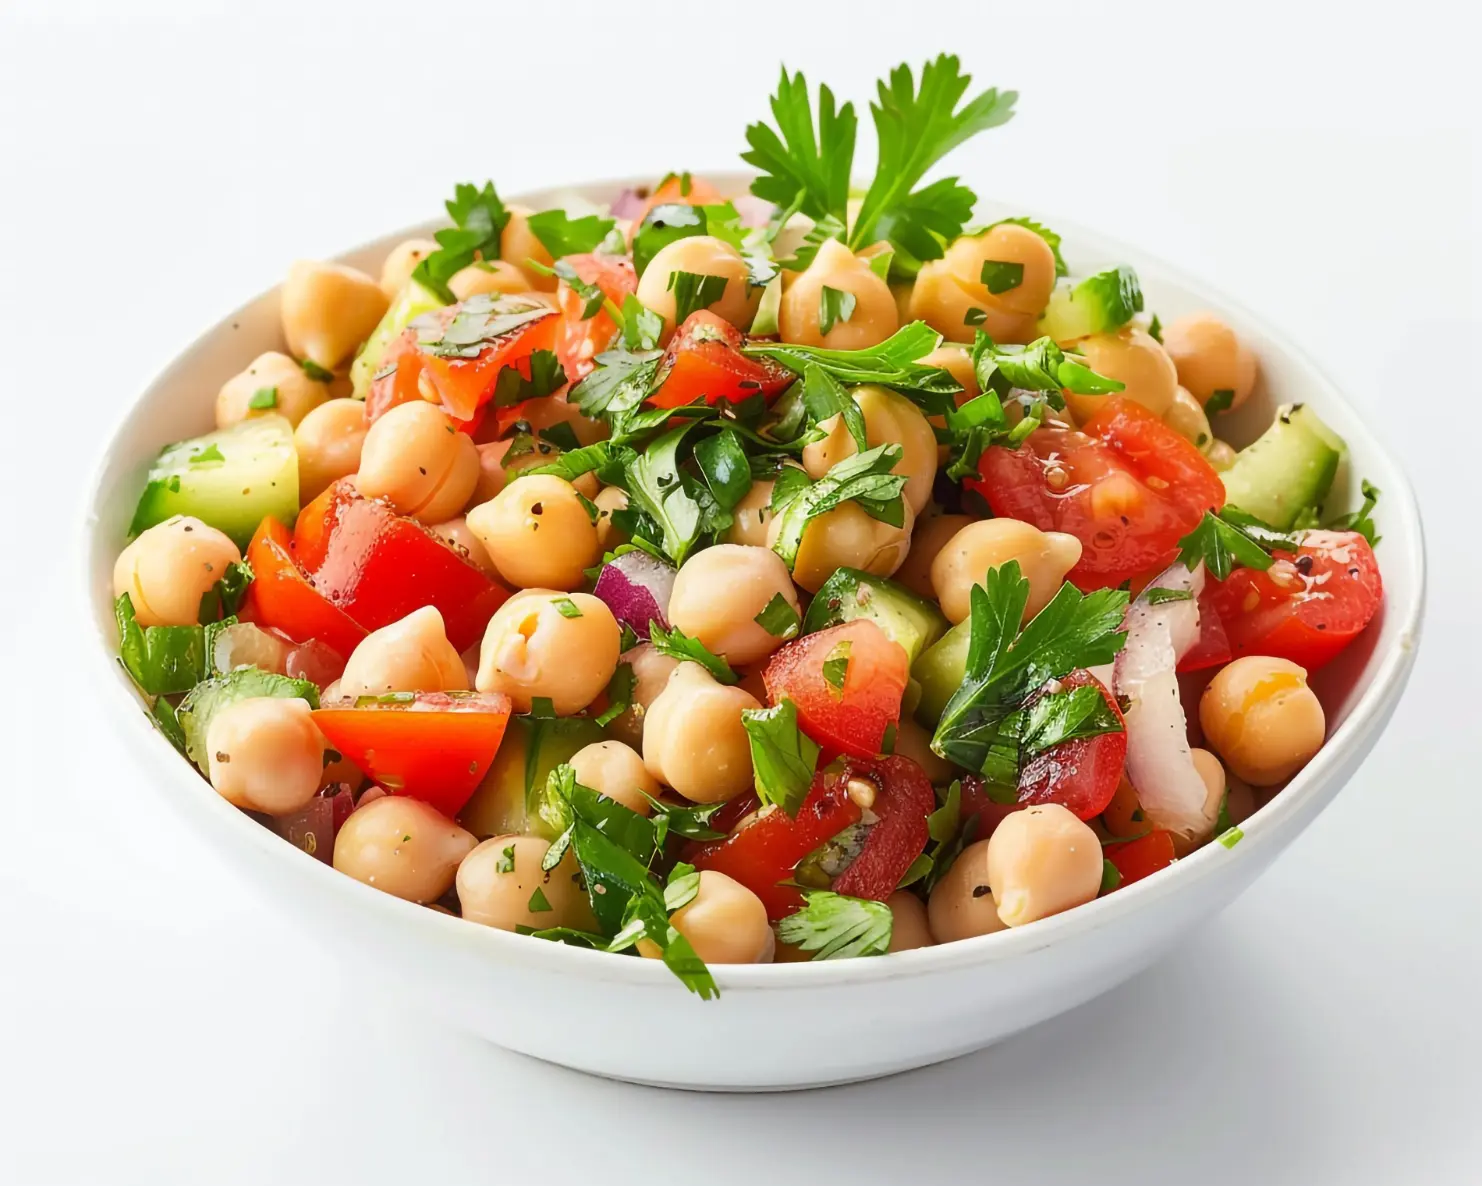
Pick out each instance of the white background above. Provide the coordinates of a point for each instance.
(159, 163)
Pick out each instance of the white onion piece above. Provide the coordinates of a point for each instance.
(245, 645)
(1159, 765)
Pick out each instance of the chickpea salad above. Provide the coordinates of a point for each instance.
(808, 573)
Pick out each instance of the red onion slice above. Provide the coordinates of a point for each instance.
(315, 827)
(1159, 764)
(636, 587)
(626, 205)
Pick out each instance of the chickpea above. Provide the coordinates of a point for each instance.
(702, 255)
(509, 527)
(403, 847)
(328, 310)
(616, 770)
(265, 754)
(930, 536)
(751, 516)
(873, 319)
(608, 500)
(329, 440)
(169, 567)
(401, 262)
(890, 418)
(651, 672)
(1213, 774)
(914, 742)
(546, 413)
(489, 276)
(1261, 717)
(693, 738)
(290, 392)
(961, 905)
(412, 655)
(720, 591)
(416, 459)
(1210, 357)
(518, 245)
(1006, 243)
(501, 885)
(847, 536)
(492, 474)
(1044, 558)
(958, 363)
(1042, 860)
(544, 453)
(1134, 358)
(460, 538)
(1186, 417)
(532, 650)
(1220, 455)
(909, 928)
(725, 923)
(941, 300)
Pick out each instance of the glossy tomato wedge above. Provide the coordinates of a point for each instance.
(378, 566)
(1126, 485)
(514, 327)
(1136, 859)
(1308, 605)
(580, 339)
(282, 598)
(432, 746)
(847, 682)
(1212, 649)
(1081, 774)
(705, 362)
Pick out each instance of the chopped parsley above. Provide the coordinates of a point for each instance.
(1111, 876)
(538, 902)
(479, 218)
(865, 478)
(263, 398)
(836, 666)
(315, 371)
(1162, 596)
(778, 618)
(833, 926)
(566, 607)
(1231, 838)
(505, 862)
(562, 235)
(479, 323)
(834, 305)
(1000, 276)
(619, 694)
(1219, 401)
(783, 757)
(678, 645)
(1361, 520)
(225, 596)
(694, 291)
(1222, 546)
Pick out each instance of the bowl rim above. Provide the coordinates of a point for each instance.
(1264, 828)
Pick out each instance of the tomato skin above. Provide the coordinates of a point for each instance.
(852, 719)
(1081, 774)
(579, 341)
(1136, 859)
(704, 361)
(378, 566)
(1126, 485)
(766, 851)
(282, 598)
(903, 802)
(1308, 606)
(1213, 647)
(437, 748)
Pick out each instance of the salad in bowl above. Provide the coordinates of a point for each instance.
(730, 576)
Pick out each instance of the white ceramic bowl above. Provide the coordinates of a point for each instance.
(788, 1025)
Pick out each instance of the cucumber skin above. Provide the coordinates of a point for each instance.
(1291, 466)
(1100, 304)
(211, 695)
(939, 671)
(923, 619)
(413, 301)
(176, 488)
(500, 805)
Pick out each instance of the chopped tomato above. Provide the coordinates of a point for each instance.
(978, 804)
(903, 800)
(677, 189)
(462, 386)
(1136, 859)
(281, 596)
(1081, 774)
(432, 746)
(378, 566)
(847, 682)
(1308, 605)
(1213, 646)
(705, 362)
(1126, 485)
(580, 339)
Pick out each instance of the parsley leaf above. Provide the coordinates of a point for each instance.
(505, 862)
(693, 823)
(225, 596)
(566, 607)
(562, 235)
(315, 371)
(1162, 596)
(1361, 520)
(591, 295)
(783, 757)
(621, 381)
(642, 327)
(479, 323)
(825, 397)
(160, 659)
(778, 618)
(1111, 876)
(1039, 366)
(1155, 329)
(1067, 715)
(209, 454)
(1001, 276)
(915, 129)
(833, 926)
(865, 478)
(1219, 401)
(263, 398)
(538, 374)
(893, 363)
(619, 694)
(678, 645)
(834, 305)
(1005, 665)
(656, 486)
(723, 463)
(479, 217)
(694, 291)
(799, 166)
(682, 887)
(1221, 546)
(1044, 232)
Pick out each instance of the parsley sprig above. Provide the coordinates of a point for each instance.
(479, 217)
(833, 926)
(803, 162)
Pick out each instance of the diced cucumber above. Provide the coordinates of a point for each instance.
(508, 798)
(764, 324)
(939, 671)
(904, 617)
(414, 300)
(210, 696)
(1099, 304)
(1290, 467)
(232, 479)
